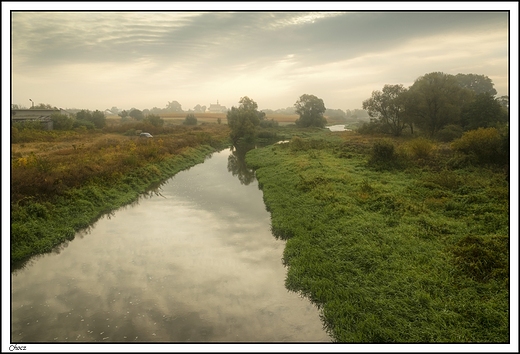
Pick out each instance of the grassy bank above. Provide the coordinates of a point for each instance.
(62, 182)
(409, 248)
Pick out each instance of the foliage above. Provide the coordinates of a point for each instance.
(388, 106)
(484, 145)
(485, 111)
(154, 120)
(373, 127)
(136, 114)
(449, 133)
(480, 84)
(190, 119)
(244, 119)
(61, 121)
(435, 100)
(96, 119)
(420, 148)
(311, 109)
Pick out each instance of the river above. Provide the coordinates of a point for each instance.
(193, 261)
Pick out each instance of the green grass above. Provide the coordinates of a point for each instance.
(400, 252)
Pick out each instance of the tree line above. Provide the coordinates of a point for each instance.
(435, 103)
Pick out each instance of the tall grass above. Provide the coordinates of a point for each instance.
(416, 253)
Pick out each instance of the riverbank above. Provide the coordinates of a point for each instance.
(409, 249)
(61, 182)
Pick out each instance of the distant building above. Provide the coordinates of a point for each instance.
(36, 115)
(217, 108)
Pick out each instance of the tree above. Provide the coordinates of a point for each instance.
(123, 114)
(311, 109)
(136, 114)
(190, 119)
(61, 121)
(244, 119)
(98, 118)
(388, 106)
(476, 83)
(154, 120)
(174, 106)
(435, 100)
(485, 111)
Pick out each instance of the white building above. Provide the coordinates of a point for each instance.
(216, 108)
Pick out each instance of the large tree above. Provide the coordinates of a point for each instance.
(435, 100)
(244, 119)
(388, 106)
(311, 109)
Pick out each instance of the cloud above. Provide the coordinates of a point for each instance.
(114, 58)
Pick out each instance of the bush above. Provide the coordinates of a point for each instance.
(382, 150)
(78, 123)
(61, 121)
(449, 133)
(374, 127)
(484, 145)
(190, 120)
(420, 148)
(155, 120)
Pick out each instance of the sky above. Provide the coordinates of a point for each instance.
(143, 59)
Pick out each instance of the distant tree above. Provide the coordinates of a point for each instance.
(335, 113)
(435, 100)
(174, 106)
(244, 119)
(484, 112)
(504, 102)
(476, 83)
(199, 109)
(136, 114)
(388, 106)
(43, 106)
(123, 114)
(154, 120)
(311, 109)
(190, 119)
(61, 121)
(98, 118)
(84, 115)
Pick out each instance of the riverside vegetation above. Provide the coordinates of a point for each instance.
(398, 239)
(395, 239)
(62, 181)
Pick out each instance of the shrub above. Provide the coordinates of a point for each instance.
(190, 120)
(374, 127)
(420, 148)
(449, 133)
(382, 150)
(484, 145)
(61, 121)
(155, 120)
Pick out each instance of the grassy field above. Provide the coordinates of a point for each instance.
(412, 248)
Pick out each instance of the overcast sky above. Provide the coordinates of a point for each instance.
(97, 60)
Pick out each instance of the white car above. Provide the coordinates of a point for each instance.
(145, 135)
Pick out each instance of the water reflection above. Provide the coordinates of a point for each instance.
(195, 262)
(237, 163)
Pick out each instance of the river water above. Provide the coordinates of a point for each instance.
(194, 261)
